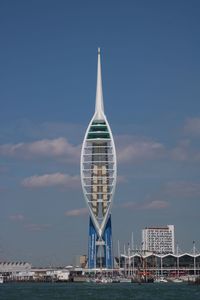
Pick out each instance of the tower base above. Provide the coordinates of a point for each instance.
(100, 254)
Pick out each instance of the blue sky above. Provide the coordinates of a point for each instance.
(151, 74)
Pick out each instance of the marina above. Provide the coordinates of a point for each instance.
(14, 272)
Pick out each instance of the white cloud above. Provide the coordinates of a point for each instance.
(130, 149)
(51, 180)
(3, 169)
(182, 151)
(121, 179)
(37, 227)
(76, 212)
(156, 204)
(183, 189)
(192, 126)
(150, 205)
(185, 150)
(17, 217)
(59, 147)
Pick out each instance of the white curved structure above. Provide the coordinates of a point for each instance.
(98, 163)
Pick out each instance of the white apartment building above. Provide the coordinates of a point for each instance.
(158, 239)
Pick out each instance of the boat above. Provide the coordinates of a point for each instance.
(1, 279)
(177, 280)
(115, 280)
(160, 279)
(99, 280)
(125, 280)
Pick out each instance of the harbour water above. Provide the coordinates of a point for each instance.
(91, 291)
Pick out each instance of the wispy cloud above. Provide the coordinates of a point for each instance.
(51, 180)
(121, 179)
(51, 130)
(183, 189)
(129, 149)
(3, 169)
(156, 204)
(149, 205)
(3, 189)
(54, 129)
(76, 212)
(17, 217)
(134, 149)
(182, 151)
(46, 148)
(185, 151)
(20, 218)
(36, 227)
(192, 126)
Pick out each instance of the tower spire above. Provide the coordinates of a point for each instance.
(99, 107)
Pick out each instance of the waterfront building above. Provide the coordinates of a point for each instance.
(98, 178)
(158, 239)
(169, 265)
(6, 267)
(80, 261)
(83, 261)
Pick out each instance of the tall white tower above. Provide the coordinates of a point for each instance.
(98, 178)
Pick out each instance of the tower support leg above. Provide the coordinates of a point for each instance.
(108, 251)
(94, 246)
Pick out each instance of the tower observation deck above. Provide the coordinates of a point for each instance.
(98, 178)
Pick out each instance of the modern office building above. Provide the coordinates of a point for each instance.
(158, 239)
(98, 178)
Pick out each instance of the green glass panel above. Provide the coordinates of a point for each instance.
(100, 135)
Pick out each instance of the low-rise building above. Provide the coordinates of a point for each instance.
(13, 267)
